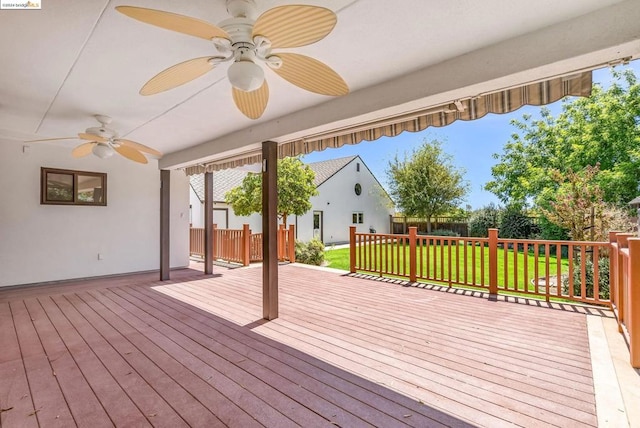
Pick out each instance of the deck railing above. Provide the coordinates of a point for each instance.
(602, 273)
(625, 289)
(240, 245)
(551, 269)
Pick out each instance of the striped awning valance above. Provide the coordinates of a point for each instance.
(504, 101)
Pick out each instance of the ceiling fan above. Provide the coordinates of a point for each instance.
(102, 141)
(247, 43)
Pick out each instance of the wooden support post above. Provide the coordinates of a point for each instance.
(246, 245)
(621, 276)
(165, 222)
(292, 243)
(613, 264)
(493, 261)
(270, 230)
(413, 262)
(352, 249)
(633, 323)
(208, 223)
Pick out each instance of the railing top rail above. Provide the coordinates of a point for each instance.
(422, 236)
(554, 242)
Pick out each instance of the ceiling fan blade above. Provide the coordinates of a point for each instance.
(311, 75)
(83, 149)
(91, 137)
(131, 153)
(252, 104)
(173, 21)
(140, 147)
(295, 25)
(177, 75)
(52, 139)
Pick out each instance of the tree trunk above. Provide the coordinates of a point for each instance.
(429, 224)
(284, 219)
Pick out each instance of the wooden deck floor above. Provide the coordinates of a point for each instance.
(346, 352)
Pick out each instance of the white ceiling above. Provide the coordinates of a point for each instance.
(72, 59)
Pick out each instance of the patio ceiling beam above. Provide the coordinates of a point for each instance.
(208, 223)
(270, 230)
(592, 39)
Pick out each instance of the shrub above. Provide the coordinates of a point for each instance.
(603, 278)
(310, 253)
(484, 219)
(443, 232)
(551, 231)
(515, 224)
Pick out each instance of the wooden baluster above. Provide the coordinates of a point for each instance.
(412, 253)
(493, 261)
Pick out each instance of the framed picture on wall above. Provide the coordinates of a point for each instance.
(68, 187)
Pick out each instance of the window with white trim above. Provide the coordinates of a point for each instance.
(357, 218)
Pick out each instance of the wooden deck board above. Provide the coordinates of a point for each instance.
(288, 380)
(345, 351)
(15, 397)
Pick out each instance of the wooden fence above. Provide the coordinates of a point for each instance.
(240, 245)
(602, 273)
(401, 224)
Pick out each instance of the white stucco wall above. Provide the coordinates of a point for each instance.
(40, 243)
(223, 215)
(236, 222)
(337, 200)
(197, 209)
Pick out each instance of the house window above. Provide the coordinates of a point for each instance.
(357, 166)
(357, 218)
(358, 189)
(66, 187)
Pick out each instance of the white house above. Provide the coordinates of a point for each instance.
(348, 195)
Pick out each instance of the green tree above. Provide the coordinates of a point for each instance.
(580, 209)
(426, 184)
(295, 189)
(602, 129)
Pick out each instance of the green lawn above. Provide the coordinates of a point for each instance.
(435, 264)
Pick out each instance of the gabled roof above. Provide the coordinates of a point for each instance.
(326, 169)
(227, 179)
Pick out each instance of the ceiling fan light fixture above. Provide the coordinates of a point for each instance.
(102, 150)
(246, 76)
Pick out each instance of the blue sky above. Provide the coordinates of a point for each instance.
(471, 144)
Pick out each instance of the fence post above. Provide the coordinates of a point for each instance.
(413, 232)
(352, 249)
(246, 245)
(292, 243)
(493, 261)
(623, 242)
(633, 325)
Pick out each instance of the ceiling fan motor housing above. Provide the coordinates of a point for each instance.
(102, 131)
